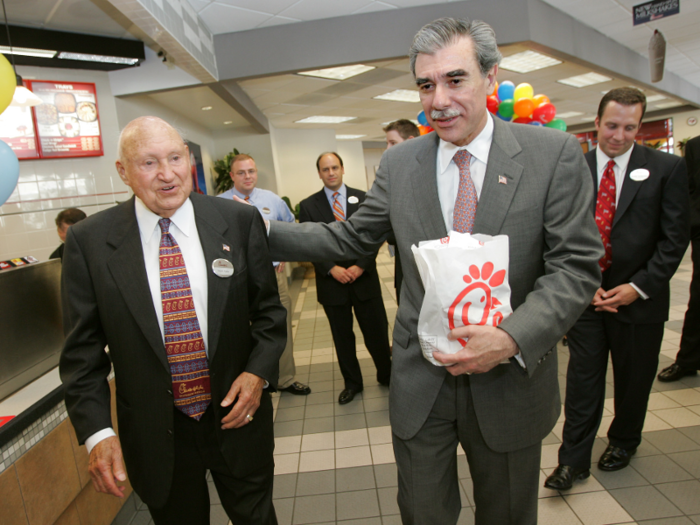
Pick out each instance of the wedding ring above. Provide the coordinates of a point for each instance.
(249, 418)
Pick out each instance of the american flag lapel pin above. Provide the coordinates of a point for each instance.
(226, 248)
(502, 180)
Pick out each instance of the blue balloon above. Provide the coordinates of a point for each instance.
(9, 172)
(506, 90)
(422, 119)
(535, 123)
(507, 119)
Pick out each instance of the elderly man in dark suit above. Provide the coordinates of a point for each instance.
(642, 213)
(181, 289)
(476, 174)
(344, 286)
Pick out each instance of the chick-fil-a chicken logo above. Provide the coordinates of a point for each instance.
(480, 284)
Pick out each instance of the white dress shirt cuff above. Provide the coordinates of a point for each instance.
(519, 358)
(639, 291)
(97, 437)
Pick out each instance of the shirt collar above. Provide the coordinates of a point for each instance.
(183, 218)
(621, 160)
(243, 196)
(329, 193)
(479, 147)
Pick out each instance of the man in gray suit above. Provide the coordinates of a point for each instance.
(531, 184)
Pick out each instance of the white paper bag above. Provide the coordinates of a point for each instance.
(466, 282)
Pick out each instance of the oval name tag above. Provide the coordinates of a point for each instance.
(639, 175)
(222, 268)
(266, 210)
(353, 200)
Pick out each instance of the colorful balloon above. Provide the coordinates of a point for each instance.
(505, 108)
(536, 123)
(495, 91)
(492, 103)
(506, 90)
(557, 123)
(424, 130)
(9, 171)
(8, 83)
(541, 99)
(522, 120)
(544, 113)
(422, 119)
(523, 107)
(523, 90)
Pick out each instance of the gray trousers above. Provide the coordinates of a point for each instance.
(287, 368)
(505, 484)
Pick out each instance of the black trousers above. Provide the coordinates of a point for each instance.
(689, 353)
(634, 349)
(374, 325)
(246, 500)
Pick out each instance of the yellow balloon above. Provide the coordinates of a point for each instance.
(8, 83)
(523, 90)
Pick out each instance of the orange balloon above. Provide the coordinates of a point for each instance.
(523, 107)
(540, 99)
(495, 90)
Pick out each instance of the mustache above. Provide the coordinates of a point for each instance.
(448, 113)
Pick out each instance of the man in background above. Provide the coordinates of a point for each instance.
(244, 174)
(344, 286)
(65, 220)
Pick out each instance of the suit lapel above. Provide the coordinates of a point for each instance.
(630, 187)
(324, 207)
(501, 180)
(351, 208)
(129, 273)
(593, 166)
(424, 182)
(211, 226)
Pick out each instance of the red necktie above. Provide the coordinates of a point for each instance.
(605, 212)
(184, 344)
(467, 200)
(337, 208)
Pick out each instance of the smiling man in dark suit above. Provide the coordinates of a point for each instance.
(342, 286)
(642, 212)
(181, 289)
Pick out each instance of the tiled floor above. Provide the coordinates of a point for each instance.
(334, 464)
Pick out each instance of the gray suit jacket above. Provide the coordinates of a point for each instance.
(554, 249)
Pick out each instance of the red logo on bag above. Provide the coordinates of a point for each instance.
(445, 240)
(483, 288)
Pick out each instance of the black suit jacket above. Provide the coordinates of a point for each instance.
(330, 292)
(692, 160)
(650, 231)
(107, 301)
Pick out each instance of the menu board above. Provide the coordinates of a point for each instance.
(17, 130)
(67, 123)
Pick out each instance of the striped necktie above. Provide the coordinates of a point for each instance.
(184, 343)
(467, 200)
(337, 208)
(605, 212)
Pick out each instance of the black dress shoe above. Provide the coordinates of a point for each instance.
(674, 373)
(298, 389)
(564, 476)
(615, 458)
(347, 395)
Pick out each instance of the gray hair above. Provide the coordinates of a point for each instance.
(445, 31)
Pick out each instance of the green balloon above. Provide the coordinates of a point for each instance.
(557, 123)
(505, 108)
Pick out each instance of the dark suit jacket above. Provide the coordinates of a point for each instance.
(330, 292)
(692, 160)
(650, 231)
(107, 301)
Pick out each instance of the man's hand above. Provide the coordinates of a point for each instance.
(487, 346)
(611, 300)
(355, 271)
(247, 388)
(280, 267)
(341, 275)
(106, 467)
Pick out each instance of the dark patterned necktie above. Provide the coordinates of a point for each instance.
(184, 344)
(605, 212)
(337, 208)
(467, 200)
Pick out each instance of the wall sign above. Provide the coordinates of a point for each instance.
(17, 130)
(655, 10)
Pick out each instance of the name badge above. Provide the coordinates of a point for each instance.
(353, 200)
(266, 210)
(639, 175)
(222, 268)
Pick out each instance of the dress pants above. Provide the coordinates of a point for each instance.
(689, 353)
(371, 317)
(634, 349)
(246, 500)
(506, 484)
(288, 370)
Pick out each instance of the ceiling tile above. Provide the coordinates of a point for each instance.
(317, 9)
(221, 18)
(273, 7)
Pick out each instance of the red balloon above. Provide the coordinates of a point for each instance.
(544, 113)
(523, 120)
(492, 103)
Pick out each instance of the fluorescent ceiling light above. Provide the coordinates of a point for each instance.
(324, 120)
(206, 108)
(569, 114)
(338, 73)
(656, 98)
(228, 121)
(97, 58)
(390, 121)
(28, 52)
(588, 79)
(400, 95)
(348, 137)
(527, 61)
(587, 119)
(671, 104)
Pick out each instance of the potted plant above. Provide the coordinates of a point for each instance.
(222, 167)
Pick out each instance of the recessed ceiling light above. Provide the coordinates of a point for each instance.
(670, 104)
(28, 52)
(338, 73)
(400, 95)
(389, 122)
(324, 120)
(569, 114)
(656, 98)
(97, 58)
(348, 137)
(527, 61)
(587, 119)
(228, 121)
(587, 79)
(206, 108)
